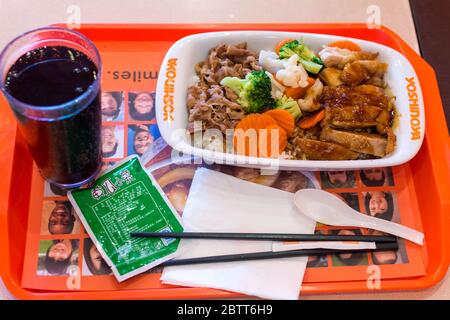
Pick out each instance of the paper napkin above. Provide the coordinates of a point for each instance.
(221, 203)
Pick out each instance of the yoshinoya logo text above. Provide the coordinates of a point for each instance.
(169, 87)
(414, 109)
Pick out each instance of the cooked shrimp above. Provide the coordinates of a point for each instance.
(310, 102)
(337, 57)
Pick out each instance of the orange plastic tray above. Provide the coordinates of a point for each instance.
(430, 171)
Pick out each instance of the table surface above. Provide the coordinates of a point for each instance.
(20, 16)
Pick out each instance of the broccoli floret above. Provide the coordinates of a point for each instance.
(317, 60)
(289, 49)
(299, 48)
(289, 105)
(254, 91)
(234, 83)
(308, 59)
(311, 66)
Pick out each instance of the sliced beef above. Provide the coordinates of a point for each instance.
(226, 61)
(230, 94)
(320, 150)
(212, 109)
(359, 142)
(207, 102)
(227, 71)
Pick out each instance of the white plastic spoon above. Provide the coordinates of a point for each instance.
(328, 209)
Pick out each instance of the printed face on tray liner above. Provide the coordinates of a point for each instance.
(291, 181)
(350, 258)
(142, 140)
(94, 261)
(373, 177)
(61, 220)
(337, 177)
(110, 105)
(109, 141)
(58, 256)
(383, 257)
(60, 251)
(379, 204)
(177, 194)
(141, 105)
(246, 173)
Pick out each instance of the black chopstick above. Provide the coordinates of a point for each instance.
(276, 255)
(263, 236)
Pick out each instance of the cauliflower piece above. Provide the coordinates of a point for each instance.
(277, 88)
(293, 75)
(310, 103)
(270, 61)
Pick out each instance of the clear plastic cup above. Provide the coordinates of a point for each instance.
(65, 137)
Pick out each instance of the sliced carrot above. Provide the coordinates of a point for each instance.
(345, 44)
(245, 142)
(311, 121)
(281, 134)
(299, 92)
(255, 121)
(264, 120)
(295, 93)
(284, 119)
(282, 43)
(265, 129)
(311, 81)
(274, 135)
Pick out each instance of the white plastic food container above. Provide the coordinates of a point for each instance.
(177, 73)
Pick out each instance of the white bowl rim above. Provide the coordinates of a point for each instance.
(179, 49)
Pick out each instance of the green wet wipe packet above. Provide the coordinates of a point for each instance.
(127, 199)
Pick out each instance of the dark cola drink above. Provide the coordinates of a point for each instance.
(54, 92)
